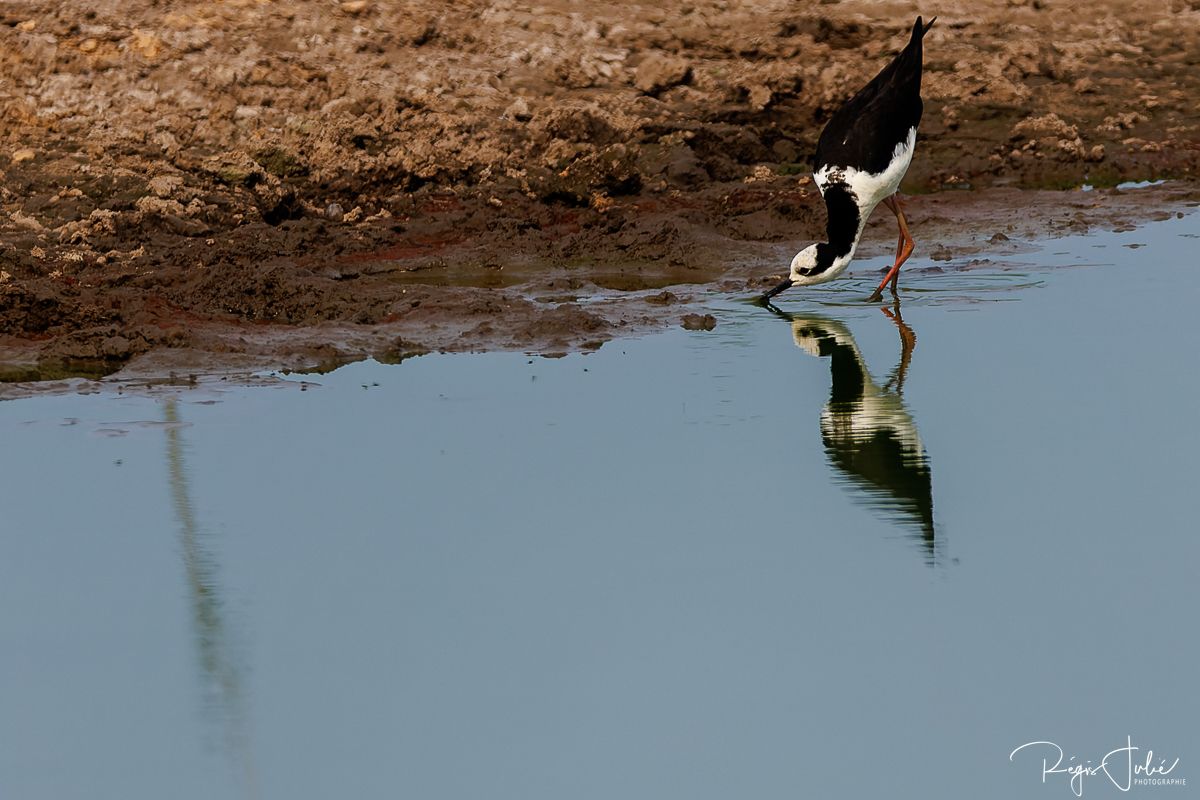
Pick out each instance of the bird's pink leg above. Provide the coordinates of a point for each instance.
(904, 249)
(908, 341)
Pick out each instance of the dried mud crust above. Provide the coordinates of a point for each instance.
(325, 178)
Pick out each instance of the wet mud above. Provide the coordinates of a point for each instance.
(307, 183)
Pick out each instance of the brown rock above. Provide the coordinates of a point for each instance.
(698, 322)
(760, 96)
(146, 44)
(659, 72)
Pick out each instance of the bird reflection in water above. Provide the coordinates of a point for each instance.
(868, 433)
(221, 674)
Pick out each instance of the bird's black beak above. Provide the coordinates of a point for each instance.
(766, 298)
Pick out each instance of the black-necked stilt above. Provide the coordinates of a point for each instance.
(861, 157)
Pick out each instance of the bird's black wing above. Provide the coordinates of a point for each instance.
(864, 132)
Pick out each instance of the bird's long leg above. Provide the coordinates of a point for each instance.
(904, 249)
(908, 341)
(900, 236)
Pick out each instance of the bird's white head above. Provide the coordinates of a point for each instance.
(808, 267)
(803, 266)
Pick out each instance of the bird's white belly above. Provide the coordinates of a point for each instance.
(871, 188)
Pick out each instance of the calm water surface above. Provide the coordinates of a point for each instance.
(835, 551)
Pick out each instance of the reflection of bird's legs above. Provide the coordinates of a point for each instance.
(904, 248)
(908, 341)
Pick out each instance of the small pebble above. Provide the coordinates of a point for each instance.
(24, 154)
(698, 322)
(335, 212)
(519, 110)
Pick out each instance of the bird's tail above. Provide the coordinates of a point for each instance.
(911, 55)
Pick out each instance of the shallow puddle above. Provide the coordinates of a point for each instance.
(841, 550)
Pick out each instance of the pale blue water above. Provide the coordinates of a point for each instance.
(648, 572)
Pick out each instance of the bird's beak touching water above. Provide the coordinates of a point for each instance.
(766, 298)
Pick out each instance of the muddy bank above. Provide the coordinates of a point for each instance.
(542, 305)
(333, 178)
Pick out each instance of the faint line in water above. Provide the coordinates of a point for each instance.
(218, 666)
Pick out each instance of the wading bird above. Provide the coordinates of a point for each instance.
(861, 157)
